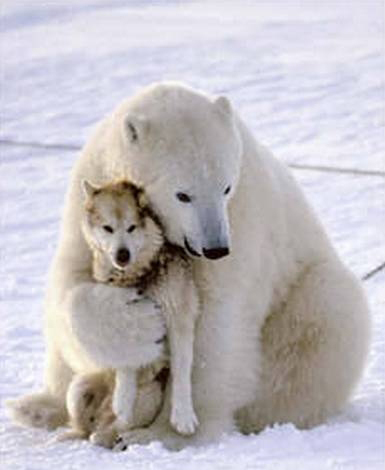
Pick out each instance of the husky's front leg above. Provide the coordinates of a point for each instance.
(123, 401)
(124, 398)
(177, 419)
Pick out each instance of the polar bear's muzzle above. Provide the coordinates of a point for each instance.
(210, 253)
(189, 248)
(211, 237)
(215, 233)
(216, 253)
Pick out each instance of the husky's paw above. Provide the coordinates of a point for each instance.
(137, 436)
(104, 437)
(39, 411)
(144, 436)
(70, 435)
(185, 422)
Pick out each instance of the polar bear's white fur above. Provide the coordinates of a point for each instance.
(284, 328)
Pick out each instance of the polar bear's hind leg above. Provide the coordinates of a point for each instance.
(314, 350)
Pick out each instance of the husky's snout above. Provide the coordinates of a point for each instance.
(122, 257)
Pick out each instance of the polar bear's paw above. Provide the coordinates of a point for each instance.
(134, 295)
(184, 421)
(38, 410)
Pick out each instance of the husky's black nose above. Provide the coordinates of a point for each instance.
(216, 253)
(122, 257)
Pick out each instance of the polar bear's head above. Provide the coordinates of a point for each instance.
(184, 149)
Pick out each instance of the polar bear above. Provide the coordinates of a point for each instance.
(284, 326)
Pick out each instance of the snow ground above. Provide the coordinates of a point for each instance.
(308, 77)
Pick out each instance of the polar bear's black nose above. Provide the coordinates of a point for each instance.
(122, 257)
(215, 253)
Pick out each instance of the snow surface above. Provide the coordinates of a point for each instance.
(308, 77)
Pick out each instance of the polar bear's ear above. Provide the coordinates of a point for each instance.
(135, 128)
(223, 104)
(89, 189)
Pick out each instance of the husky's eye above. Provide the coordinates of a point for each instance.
(108, 228)
(131, 228)
(183, 197)
(227, 190)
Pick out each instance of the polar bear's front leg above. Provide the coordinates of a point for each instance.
(181, 339)
(114, 332)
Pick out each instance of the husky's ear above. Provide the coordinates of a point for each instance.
(89, 189)
(223, 105)
(142, 198)
(135, 128)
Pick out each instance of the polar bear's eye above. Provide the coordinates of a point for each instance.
(108, 228)
(227, 190)
(183, 197)
(131, 228)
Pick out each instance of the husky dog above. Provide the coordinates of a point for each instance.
(130, 250)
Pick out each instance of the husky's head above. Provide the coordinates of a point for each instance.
(118, 224)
